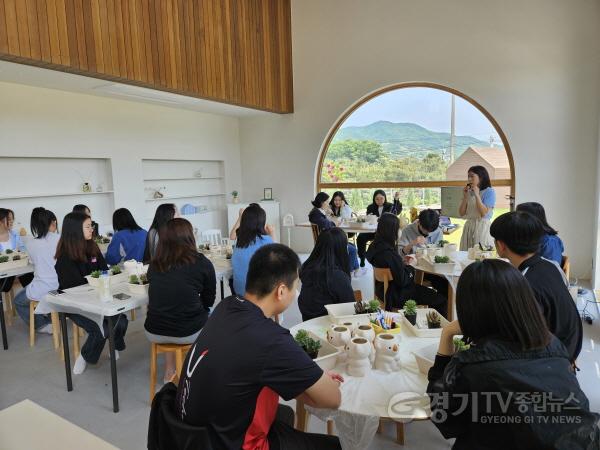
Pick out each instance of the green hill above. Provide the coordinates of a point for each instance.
(407, 139)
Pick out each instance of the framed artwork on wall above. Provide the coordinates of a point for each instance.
(268, 194)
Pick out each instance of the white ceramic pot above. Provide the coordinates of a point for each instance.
(350, 326)
(138, 289)
(449, 249)
(365, 331)
(359, 351)
(387, 358)
(94, 282)
(338, 336)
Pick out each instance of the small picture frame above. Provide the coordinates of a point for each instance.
(268, 194)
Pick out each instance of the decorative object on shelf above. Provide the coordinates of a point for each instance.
(188, 209)
(100, 188)
(157, 192)
(234, 194)
(268, 194)
(198, 173)
(86, 187)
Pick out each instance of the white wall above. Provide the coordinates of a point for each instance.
(533, 65)
(44, 122)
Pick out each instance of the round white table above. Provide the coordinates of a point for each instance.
(399, 396)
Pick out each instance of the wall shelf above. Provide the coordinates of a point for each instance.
(183, 178)
(182, 196)
(66, 194)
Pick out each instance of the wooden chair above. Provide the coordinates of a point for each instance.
(383, 276)
(32, 305)
(180, 351)
(566, 265)
(315, 232)
(9, 307)
(77, 333)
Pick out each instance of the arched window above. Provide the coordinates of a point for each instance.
(418, 139)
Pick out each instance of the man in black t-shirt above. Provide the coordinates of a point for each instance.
(243, 361)
(518, 235)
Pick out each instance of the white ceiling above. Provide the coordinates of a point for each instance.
(53, 79)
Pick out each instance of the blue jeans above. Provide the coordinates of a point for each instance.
(352, 253)
(22, 307)
(94, 343)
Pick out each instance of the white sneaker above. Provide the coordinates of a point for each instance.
(47, 329)
(79, 366)
(116, 355)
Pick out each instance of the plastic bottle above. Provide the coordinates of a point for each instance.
(105, 287)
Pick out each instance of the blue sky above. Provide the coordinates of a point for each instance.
(427, 107)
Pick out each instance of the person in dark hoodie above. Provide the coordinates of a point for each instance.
(379, 206)
(383, 253)
(518, 235)
(514, 387)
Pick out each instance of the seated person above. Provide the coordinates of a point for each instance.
(518, 235)
(77, 255)
(339, 207)
(243, 362)
(325, 276)
(182, 289)
(379, 206)
(129, 240)
(320, 216)
(83, 209)
(252, 233)
(551, 247)
(425, 230)
(383, 253)
(514, 387)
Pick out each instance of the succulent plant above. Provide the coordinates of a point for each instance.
(460, 345)
(441, 260)
(115, 270)
(8, 251)
(16, 257)
(410, 308)
(372, 306)
(442, 243)
(311, 346)
(3, 259)
(96, 274)
(143, 278)
(434, 320)
(133, 279)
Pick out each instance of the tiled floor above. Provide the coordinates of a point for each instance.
(38, 374)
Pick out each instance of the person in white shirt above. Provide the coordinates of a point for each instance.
(425, 230)
(339, 206)
(41, 249)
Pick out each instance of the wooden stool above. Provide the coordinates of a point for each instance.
(55, 330)
(9, 306)
(77, 333)
(180, 351)
(32, 305)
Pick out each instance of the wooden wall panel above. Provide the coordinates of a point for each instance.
(233, 51)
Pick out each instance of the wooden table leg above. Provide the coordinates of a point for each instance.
(301, 416)
(419, 276)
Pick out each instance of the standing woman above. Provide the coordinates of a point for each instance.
(129, 240)
(325, 276)
(41, 250)
(383, 253)
(477, 206)
(182, 289)
(251, 235)
(379, 206)
(551, 247)
(163, 214)
(77, 255)
(320, 216)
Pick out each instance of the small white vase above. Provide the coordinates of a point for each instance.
(365, 331)
(359, 352)
(387, 358)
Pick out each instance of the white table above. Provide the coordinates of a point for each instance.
(366, 400)
(4, 275)
(349, 227)
(26, 425)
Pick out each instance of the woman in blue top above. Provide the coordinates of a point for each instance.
(9, 238)
(129, 239)
(251, 235)
(551, 247)
(477, 206)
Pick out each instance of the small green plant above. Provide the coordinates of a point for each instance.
(311, 346)
(372, 306)
(433, 320)
(460, 345)
(442, 243)
(3, 259)
(234, 193)
(8, 251)
(96, 274)
(115, 270)
(133, 279)
(142, 279)
(441, 259)
(410, 311)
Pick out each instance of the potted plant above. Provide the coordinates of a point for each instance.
(115, 270)
(410, 311)
(8, 251)
(441, 259)
(460, 345)
(138, 285)
(433, 320)
(442, 243)
(3, 259)
(93, 278)
(311, 346)
(372, 306)
(234, 194)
